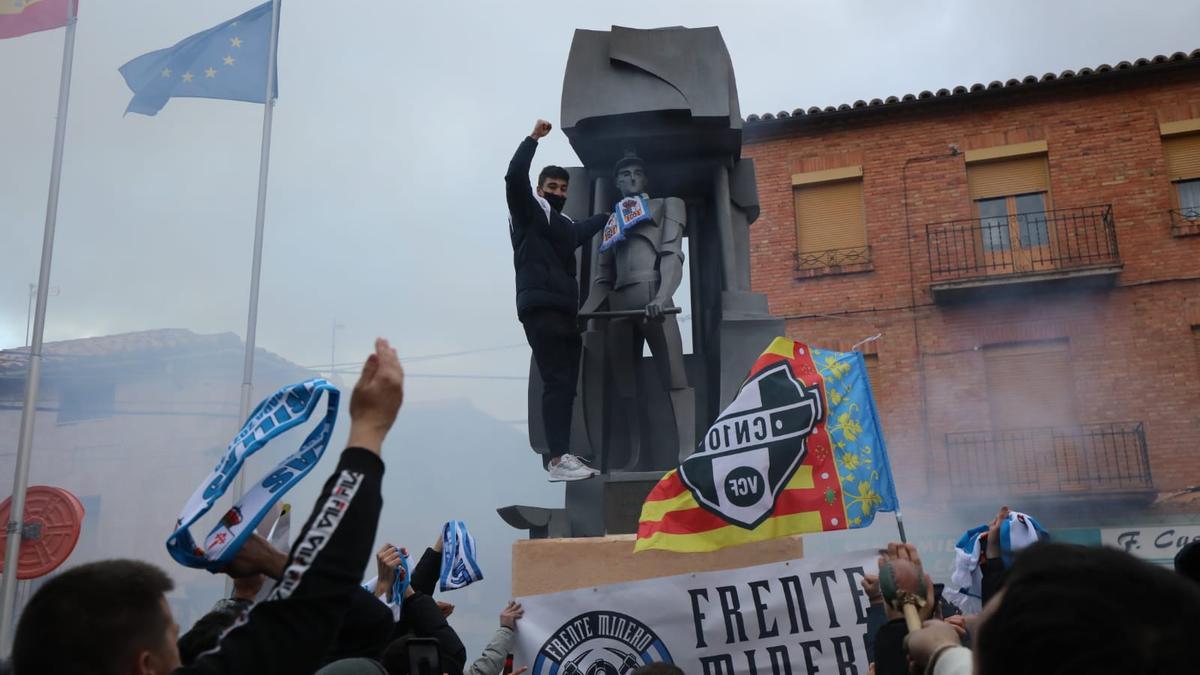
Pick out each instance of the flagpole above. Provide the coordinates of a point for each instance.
(264, 161)
(34, 369)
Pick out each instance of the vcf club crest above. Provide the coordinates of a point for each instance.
(751, 451)
(600, 643)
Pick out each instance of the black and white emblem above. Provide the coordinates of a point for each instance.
(751, 452)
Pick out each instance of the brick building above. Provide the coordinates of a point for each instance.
(1024, 252)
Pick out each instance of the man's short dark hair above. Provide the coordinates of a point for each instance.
(1187, 561)
(205, 634)
(553, 171)
(92, 619)
(1070, 610)
(658, 669)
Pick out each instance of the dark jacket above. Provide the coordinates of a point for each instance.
(294, 630)
(543, 250)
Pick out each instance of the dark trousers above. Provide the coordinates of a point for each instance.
(556, 344)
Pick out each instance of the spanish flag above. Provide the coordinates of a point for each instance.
(799, 450)
(21, 17)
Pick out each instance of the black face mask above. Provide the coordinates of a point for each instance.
(556, 202)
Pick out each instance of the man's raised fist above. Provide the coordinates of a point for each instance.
(540, 129)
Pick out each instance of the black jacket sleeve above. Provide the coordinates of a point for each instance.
(366, 630)
(586, 229)
(993, 574)
(427, 572)
(294, 629)
(523, 209)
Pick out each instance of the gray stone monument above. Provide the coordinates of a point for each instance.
(668, 95)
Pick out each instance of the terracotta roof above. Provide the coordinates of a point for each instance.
(782, 118)
(158, 344)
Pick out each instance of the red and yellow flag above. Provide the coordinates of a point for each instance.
(20, 17)
(798, 450)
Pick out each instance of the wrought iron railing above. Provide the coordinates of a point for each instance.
(1023, 244)
(833, 258)
(1066, 460)
(1185, 222)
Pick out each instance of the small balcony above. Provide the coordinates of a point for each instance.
(1185, 222)
(1076, 245)
(1089, 462)
(833, 261)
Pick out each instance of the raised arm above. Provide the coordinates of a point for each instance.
(294, 630)
(517, 189)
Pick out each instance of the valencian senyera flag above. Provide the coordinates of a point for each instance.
(799, 450)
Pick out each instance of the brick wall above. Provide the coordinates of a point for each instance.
(1132, 348)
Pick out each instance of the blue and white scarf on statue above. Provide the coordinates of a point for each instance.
(286, 408)
(1017, 532)
(459, 564)
(627, 214)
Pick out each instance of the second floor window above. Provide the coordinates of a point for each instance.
(1011, 198)
(1188, 193)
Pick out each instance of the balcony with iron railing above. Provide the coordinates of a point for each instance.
(1185, 222)
(1077, 244)
(1092, 461)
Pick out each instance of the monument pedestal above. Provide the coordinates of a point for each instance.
(551, 565)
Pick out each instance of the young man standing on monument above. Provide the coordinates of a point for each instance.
(544, 243)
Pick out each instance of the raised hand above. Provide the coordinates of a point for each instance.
(540, 129)
(376, 398)
(511, 613)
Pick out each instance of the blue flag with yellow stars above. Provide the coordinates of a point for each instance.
(226, 61)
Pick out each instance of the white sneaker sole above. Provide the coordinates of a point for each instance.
(559, 479)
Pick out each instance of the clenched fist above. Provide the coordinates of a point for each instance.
(540, 129)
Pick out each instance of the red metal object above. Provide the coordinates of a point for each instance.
(50, 529)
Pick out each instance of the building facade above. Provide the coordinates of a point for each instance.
(1020, 264)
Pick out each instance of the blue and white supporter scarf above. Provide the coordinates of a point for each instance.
(1017, 532)
(395, 596)
(286, 408)
(459, 564)
(627, 213)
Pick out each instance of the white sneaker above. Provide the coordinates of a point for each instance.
(570, 468)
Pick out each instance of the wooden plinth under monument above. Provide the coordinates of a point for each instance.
(552, 565)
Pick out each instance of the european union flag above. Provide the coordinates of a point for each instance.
(226, 61)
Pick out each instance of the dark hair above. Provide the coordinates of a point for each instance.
(1070, 610)
(395, 658)
(553, 171)
(658, 669)
(92, 618)
(205, 634)
(1187, 561)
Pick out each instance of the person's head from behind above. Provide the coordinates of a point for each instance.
(1187, 561)
(402, 656)
(658, 669)
(1070, 610)
(205, 634)
(552, 186)
(109, 617)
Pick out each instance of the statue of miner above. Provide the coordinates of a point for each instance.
(640, 266)
(544, 243)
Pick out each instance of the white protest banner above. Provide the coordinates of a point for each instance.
(1153, 543)
(796, 616)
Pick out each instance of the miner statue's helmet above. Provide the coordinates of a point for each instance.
(630, 158)
(630, 87)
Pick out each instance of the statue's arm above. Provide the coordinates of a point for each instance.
(670, 264)
(602, 283)
(522, 207)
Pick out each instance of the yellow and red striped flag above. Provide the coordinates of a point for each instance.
(21, 17)
(799, 450)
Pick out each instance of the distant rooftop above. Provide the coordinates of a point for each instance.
(149, 344)
(767, 123)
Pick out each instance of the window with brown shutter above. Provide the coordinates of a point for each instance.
(1030, 385)
(1004, 178)
(830, 225)
(1183, 157)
